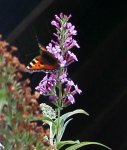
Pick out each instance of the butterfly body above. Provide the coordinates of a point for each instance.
(45, 62)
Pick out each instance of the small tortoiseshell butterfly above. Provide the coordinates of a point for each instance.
(45, 62)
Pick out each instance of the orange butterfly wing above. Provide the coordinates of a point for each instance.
(47, 62)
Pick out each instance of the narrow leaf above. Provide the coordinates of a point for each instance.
(47, 119)
(3, 98)
(78, 111)
(63, 129)
(63, 143)
(82, 144)
(54, 129)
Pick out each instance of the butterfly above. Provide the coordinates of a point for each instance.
(45, 62)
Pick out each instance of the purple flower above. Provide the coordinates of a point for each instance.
(71, 29)
(70, 98)
(56, 51)
(70, 90)
(49, 47)
(76, 89)
(53, 97)
(63, 78)
(47, 84)
(53, 49)
(62, 60)
(70, 58)
(73, 43)
(54, 23)
(57, 18)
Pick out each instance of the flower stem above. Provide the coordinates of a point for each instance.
(51, 134)
(58, 126)
(59, 108)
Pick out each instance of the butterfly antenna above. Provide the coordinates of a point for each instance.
(38, 42)
(36, 37)
(40, 46)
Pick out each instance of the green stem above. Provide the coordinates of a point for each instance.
(59, 108)
(58, 126)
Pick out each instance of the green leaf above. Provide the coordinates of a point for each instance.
(69, 142)
(54, 129)
(63, 129)
(60, 129)
(77, 146)
(78, 111)
(47, 120)
(3, 98)
(64, 123)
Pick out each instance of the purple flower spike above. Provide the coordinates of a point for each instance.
(61, 47)
(64, 40)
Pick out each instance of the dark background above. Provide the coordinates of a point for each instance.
(101, 71)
